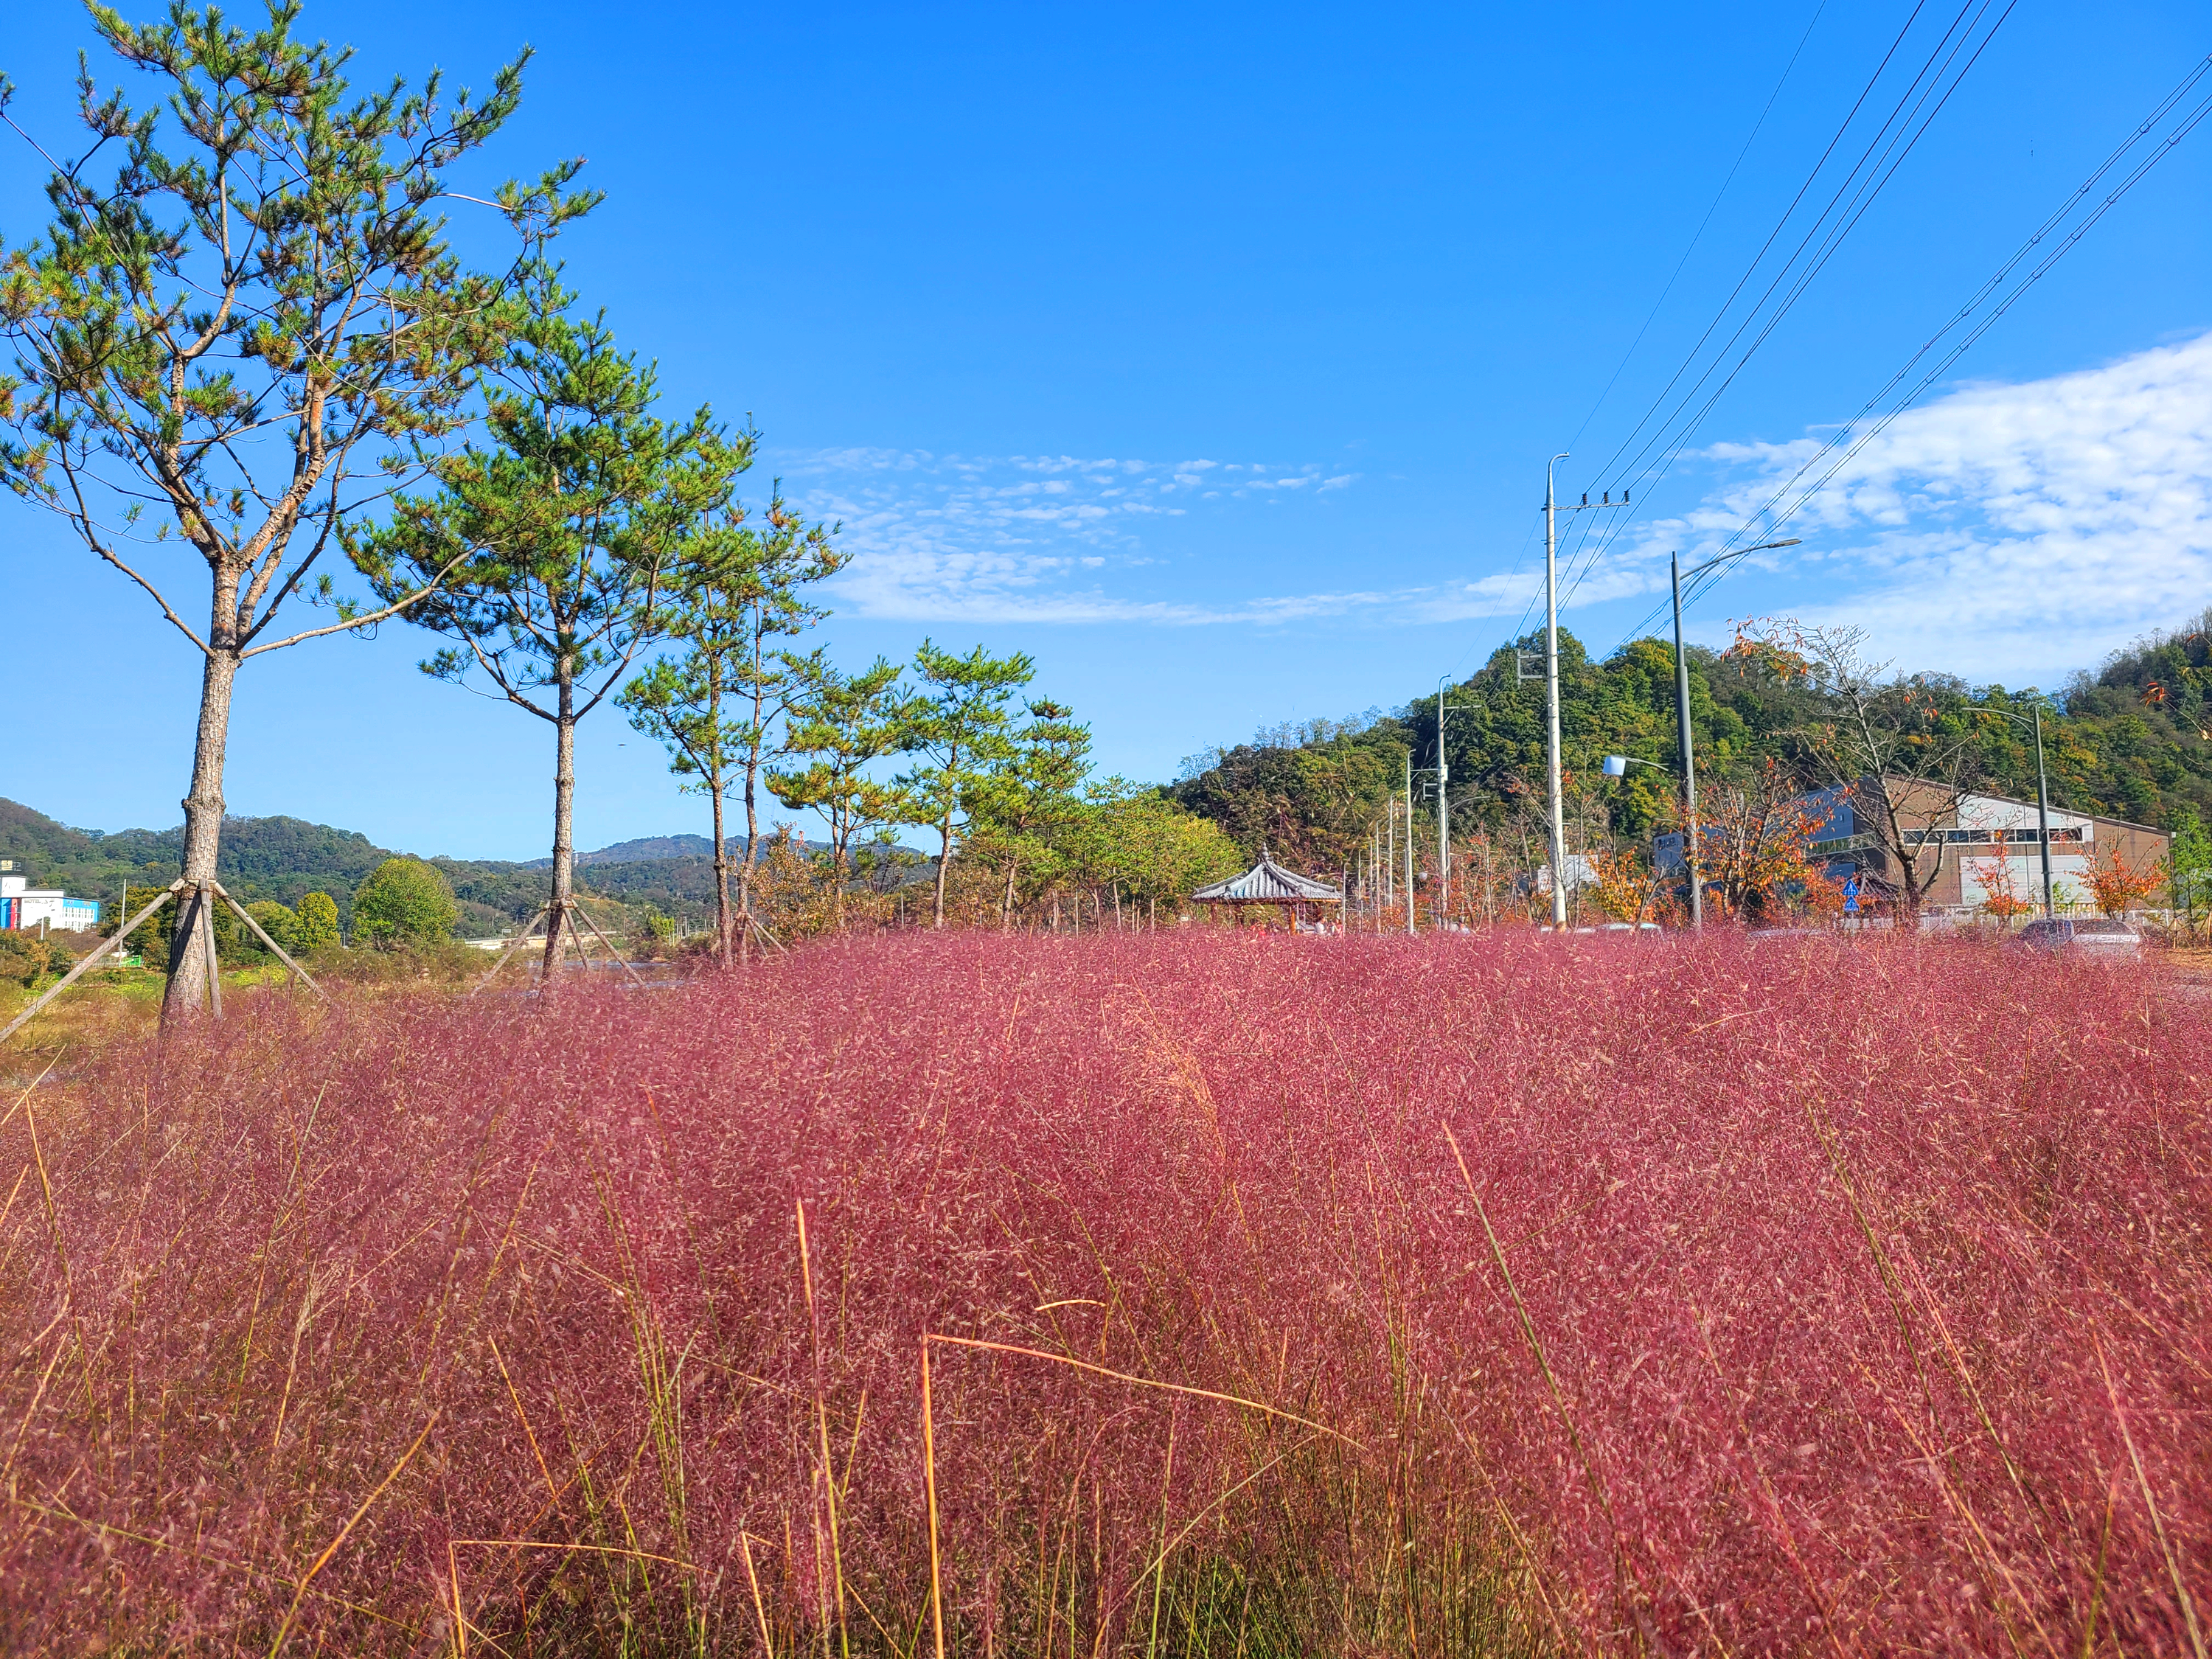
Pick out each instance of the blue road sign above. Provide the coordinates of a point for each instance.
(1852, 896)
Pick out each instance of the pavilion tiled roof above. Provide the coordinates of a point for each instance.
(1268, 882)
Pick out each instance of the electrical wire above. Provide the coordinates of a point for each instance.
(1938, 78)
(1697, 236)
(1884, 153)
(1771, 514)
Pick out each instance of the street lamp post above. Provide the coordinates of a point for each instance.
(1682, 722)
(1410, 929)
(2042, 802)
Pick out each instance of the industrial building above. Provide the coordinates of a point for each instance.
(23, 906)
(1975, 846)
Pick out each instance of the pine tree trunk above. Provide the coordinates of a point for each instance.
(944, 862)
(718, 784)
(186, 992)
(564, 846)
(722, 867)
(752, 814)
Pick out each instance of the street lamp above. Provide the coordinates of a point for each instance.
(2042, 800)
(1682, 719)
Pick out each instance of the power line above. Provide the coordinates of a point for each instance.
(1865, 193)
(1771, 514)
(1582, 530)
(1751, 269)
(1698, 235)
(1893, 142)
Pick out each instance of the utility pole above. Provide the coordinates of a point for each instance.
(1558, 813)
(1558, 825)
(1389, 854)
(1410, 929)
(1689, 765)
(1443, 807)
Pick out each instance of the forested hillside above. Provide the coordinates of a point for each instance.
(2133, 740)
(284, 859)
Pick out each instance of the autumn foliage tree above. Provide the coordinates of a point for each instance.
(2119, 886)
(2001, 898)
(1871, 727)
(1752, 847)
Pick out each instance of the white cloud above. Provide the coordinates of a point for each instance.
(1029, 537)
(2006, 532)
(2003, 532)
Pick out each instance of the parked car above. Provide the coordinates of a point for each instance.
(2098, 936)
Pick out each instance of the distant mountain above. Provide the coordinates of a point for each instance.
(651, 849)
(285, 859)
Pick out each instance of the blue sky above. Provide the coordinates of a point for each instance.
(1213, 356)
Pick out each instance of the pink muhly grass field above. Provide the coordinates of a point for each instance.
(1516, 1294)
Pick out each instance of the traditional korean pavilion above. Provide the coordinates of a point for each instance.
(1268, 882)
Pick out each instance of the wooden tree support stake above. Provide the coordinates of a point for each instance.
(203, 899)
(261, 933)
(513, 945)
(754, 922)
(106, 945)
(604, 939)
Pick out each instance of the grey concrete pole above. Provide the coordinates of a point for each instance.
(2043, 816)
(1443, 807)
(1410, 929)
(1689, 761)
(1558, 827)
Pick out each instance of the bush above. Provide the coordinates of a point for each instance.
(27, 958)
(404, 902)
(1544, 1294)
(277, 921)
(315, 925)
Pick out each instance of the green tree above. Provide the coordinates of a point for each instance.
(960, 726)
(1149, 846)
(314, 925)
(277, 921)
(1022, 809)
(2189, 869)
(793, 556)
(254, 328)
(715, 708)
(840, 726)
(404, 902)
(562, 539)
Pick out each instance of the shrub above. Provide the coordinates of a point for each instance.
(404, 902)
(276, 921)
(315, 925)
(1499, 1295)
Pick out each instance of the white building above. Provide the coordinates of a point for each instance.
(23, 906)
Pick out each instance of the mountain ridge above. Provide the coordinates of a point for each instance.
(284, 858)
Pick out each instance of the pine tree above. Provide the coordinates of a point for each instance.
(563, 540)
(717, 707)
(254, 329)
(961, 727)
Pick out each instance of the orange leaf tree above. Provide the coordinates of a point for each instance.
(2119, 886)
(1751, 850)
(2001, 895)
